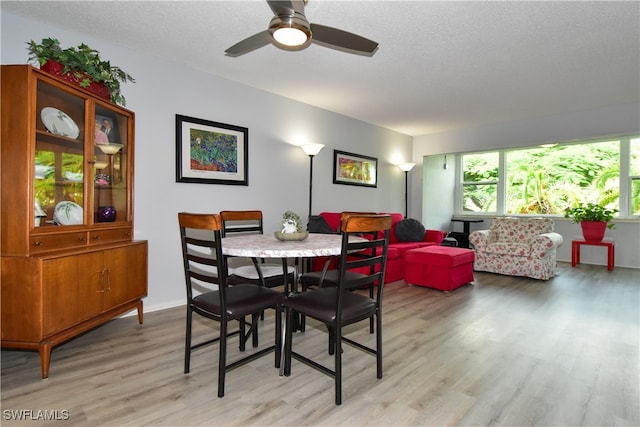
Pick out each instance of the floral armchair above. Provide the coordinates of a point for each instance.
(517, 247)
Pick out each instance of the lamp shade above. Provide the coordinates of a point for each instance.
(312, 149)
(109, 148)
(406, 167)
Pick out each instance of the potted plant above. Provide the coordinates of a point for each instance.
(81, 65)
(593, 218)
(291, 228)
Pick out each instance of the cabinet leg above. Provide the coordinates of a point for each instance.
(139, 307)
(45, 358)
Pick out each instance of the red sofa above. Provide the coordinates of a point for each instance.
(397, 249)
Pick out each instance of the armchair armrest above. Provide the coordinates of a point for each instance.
(479, 238)
(543, 243)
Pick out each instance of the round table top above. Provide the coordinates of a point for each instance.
(268, 246)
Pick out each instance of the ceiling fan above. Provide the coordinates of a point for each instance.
(289, 29)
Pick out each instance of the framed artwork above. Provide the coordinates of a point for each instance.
(354, 169)
(210, 152)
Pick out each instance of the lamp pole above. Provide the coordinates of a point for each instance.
(406, 167)
(310, 182)
(311, 150)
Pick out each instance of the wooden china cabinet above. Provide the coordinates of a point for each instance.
(69, 262)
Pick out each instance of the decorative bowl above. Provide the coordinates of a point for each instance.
(68, 213)
(291, 236)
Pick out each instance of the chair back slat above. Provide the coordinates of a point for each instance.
(202, 256)
(371, 253)
(241, 222)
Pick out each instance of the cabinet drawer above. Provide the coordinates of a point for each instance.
(100, 237)
(44, 243)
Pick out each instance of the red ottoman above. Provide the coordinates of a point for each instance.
(440, 267)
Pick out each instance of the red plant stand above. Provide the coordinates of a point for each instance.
(575, 251)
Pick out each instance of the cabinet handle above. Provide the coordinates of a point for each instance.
(108, 280)
(101, 290)
(83, 239)
(97, 237)
(127, 233)
(39, 243)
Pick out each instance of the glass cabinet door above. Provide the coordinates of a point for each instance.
(110, 175)
(59, 161)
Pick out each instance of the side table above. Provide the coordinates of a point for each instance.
(463, 238)
(575, 251)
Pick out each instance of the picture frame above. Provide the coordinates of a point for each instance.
(108, 130)
(354, 169)
(210, 152)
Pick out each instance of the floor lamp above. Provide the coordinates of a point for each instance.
(311, 150)
(406, 167)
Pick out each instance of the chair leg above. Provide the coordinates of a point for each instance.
(278, 337)
(379, 344)
(243, 328)
(222, 362)
(254, 329)
(287, 341)
(187, 342)
(332, 341)
(337, 334)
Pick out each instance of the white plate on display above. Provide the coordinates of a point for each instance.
(43, 171)
(68, 213)
(58, 122)
(73, 176)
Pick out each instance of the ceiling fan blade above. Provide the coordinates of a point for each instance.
(254, 42)
(282, 7)
(333, 37)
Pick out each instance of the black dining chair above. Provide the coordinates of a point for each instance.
(205, 269)
(346, 304)
(259, 272)
(328, 276)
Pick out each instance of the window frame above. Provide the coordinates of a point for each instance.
(625, 181)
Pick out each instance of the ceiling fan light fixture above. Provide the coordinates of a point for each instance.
(290, 36)
(290, 31)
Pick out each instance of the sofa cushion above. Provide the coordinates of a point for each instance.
(395, 219)
(509, 248)
(393, 253)
(333, 219)
(410, 230)
(403, 247)
(518, 230)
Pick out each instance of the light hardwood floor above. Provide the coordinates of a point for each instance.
(506, 351)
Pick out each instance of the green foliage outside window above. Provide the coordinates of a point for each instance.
(549, 180)
(480, 176)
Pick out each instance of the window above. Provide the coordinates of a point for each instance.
(634, 175)
(480, 182)
(546, 180)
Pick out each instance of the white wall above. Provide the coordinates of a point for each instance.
(610, 121)
(438, 192)
(278, 170)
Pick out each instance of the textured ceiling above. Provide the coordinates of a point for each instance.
(439, 66)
